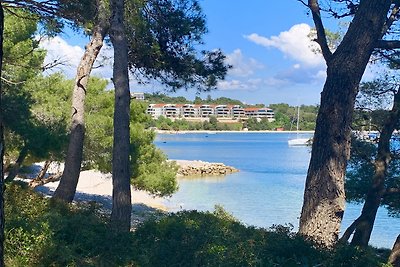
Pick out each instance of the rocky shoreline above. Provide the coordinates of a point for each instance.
(202, 168)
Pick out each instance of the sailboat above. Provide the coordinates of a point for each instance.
(298, 141)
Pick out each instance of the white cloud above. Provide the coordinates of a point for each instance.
(241, 66)
(294, 43)
(58, 49)
(70, 56)
(247, 85)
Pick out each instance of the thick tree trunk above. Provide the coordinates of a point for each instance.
(1, 143)
(121, 209)
(324, 197)
(67, 187)
(17, 165)
(365, 223)
(394, 257)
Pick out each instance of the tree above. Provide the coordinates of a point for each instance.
(373, 170)
(1, 143)
(121, 209)
(170, 58)
(67, 187)
(30, 132)
(324, 198)
(49, 14)
(150, 169)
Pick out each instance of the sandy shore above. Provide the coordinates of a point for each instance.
(96, 186)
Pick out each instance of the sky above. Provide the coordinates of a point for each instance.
(265, 41)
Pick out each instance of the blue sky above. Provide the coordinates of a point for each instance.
(265, 41)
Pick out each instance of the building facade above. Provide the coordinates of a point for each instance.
(192, 111)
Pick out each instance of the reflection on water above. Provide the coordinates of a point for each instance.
(269, 187)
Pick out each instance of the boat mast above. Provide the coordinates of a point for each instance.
(298, 116)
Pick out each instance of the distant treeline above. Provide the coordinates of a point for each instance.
(162, 98)
(285, 115)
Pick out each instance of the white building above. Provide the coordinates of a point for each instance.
(137, 96)
(235, 112)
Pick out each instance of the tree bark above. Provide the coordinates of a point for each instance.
(394, 257)
(324, 197)
(67, 187)
(1, 143)
(52, 178)
(43, 171)
(366, 221)
(121, 209)
(17, 165)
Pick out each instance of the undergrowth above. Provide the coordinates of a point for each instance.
(40, 232)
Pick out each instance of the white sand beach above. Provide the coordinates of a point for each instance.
(96, 186)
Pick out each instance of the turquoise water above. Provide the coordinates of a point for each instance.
(269, 187)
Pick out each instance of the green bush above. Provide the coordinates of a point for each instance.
(206, 239)
(40, 232)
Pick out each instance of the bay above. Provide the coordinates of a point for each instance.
(268, 189)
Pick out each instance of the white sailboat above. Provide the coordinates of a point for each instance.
(298, 141)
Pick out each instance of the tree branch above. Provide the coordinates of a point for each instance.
(392, 18)
(390, 191)
(11, 82)
(321, 36)
(387, 44)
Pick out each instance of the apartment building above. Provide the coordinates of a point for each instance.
(205, 111)
(259, 113)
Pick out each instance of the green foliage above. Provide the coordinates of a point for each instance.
(161, 50)
(40, 232)
(350, 256)
(286, 116)
(361, 170)
(29, 100)
(150, 169)
(99, 109)
(164, 123)
(216, 239)
(258, 125)
(205, 239)
(163, 98)
(22, 57)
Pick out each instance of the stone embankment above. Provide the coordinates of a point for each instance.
(203, 168)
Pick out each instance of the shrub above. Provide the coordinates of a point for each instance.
(40, 232)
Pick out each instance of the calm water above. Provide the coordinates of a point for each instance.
(269, 187)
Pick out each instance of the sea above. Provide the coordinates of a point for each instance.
(268, 189)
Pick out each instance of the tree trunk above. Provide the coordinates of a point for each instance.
(38, 179)
(394, 257)
(43, 171)
(67, 187)
(366, 221)
(17, 165)
(1, 143)
(121, 209)
(52, 178)
(324, 197)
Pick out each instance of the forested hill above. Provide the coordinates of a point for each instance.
(285, 115)
(162, 98)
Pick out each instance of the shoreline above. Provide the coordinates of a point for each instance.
(224, 131)
(96, 186)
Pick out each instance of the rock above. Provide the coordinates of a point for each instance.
(202, 168)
